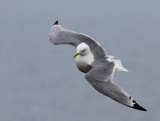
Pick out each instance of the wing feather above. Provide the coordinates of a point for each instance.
(100, 77)
(58, 35)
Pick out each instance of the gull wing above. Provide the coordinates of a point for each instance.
(58, 35)
(100, 77)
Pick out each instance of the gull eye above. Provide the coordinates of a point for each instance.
(83, 50)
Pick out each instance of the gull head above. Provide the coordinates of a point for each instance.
(83, 57)
(82, 50)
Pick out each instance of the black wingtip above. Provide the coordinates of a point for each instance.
(138, 107)
(55, 23)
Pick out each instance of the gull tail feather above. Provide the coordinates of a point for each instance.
(119, 66)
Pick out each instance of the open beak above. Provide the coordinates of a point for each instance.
(76, 54)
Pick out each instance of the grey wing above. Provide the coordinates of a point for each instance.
(58, 35)
(100, 77)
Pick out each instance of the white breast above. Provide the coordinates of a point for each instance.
(84, 62)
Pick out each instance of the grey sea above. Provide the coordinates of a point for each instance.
(40, 82)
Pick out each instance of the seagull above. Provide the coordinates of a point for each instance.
(91, 59)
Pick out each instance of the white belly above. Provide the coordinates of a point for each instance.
(84, 62)
(83, 67)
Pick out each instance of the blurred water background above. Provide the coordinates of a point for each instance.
(40, 82)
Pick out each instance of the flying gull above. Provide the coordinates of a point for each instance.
(92, 60)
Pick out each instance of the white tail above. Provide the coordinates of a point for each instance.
(118, 64)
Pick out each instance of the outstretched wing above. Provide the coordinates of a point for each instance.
(58, 35)
(100, 77)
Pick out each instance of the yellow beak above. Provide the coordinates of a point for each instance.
(76, 54)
